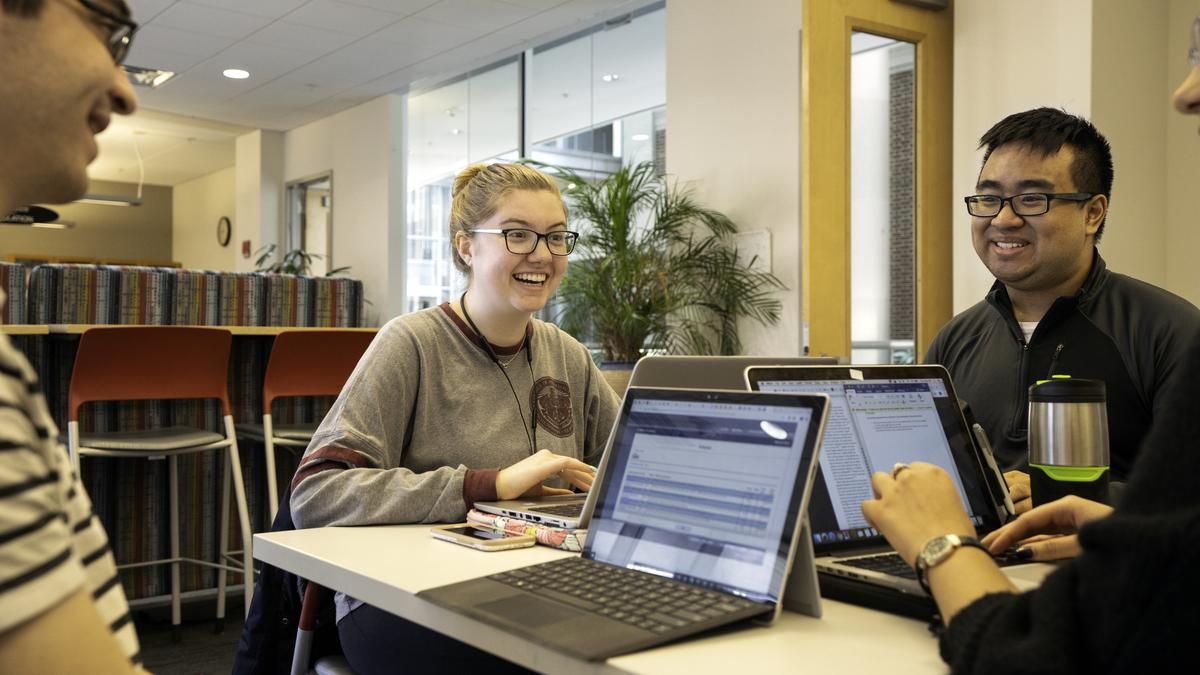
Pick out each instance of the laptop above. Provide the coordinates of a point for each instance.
(685, 372)
(710, 372)
(881, 415)
(698, 518)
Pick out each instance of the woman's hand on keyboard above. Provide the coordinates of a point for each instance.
(524, 479)
(918, 504)
(1048, 531)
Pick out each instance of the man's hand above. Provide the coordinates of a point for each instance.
(1049, 530)
(524, 479)
(920, 503)
(1018, 490)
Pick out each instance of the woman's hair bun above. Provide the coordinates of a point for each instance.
(464, 178)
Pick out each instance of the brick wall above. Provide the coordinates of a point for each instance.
(901, 119)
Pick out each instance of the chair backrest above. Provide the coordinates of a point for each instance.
(130, 363)
(312, 362)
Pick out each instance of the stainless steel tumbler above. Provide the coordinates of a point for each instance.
(1068, 440)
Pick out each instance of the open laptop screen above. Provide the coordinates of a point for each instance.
(879, 417)
(705, 487)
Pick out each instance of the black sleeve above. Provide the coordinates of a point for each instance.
(1131, 602)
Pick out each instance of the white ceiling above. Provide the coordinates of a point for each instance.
(307, 59)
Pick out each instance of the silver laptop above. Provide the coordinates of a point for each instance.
(698, 520)
(683, 372)
(879, 416)
(710, 372)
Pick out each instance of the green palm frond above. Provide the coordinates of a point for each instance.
(655, 269)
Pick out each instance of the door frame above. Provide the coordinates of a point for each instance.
(825, 163)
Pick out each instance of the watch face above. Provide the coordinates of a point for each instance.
(935, 550)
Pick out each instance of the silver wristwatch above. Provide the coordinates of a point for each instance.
(937, 550)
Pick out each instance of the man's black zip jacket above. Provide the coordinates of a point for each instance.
(1128, 333)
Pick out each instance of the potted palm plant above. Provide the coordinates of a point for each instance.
(655, 270)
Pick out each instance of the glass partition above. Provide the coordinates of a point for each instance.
(883, 198)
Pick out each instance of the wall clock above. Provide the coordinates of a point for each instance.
(224, 231)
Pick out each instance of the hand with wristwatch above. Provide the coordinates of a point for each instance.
(918, 508)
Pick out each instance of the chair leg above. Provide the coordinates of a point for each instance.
(239, 492)
(269, 449)
(223, 541)
(73, 446)
(173, 478)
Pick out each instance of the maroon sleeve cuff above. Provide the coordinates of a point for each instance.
(479, 485)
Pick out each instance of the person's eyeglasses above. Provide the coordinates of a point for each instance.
(120, 30)
(1027, 204)
(1194, 52)
(523, 242)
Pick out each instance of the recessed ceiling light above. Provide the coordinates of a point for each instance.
(610, 77)
(640, 137)
(147, 77)
(236, 73)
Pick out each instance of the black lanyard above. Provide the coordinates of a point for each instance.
(487, 347)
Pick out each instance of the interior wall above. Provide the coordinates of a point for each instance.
(733, 128)
(316, 227)
(1002, 66)
(118, 233)
(259, 195)
(1182, 161)
(363, 147)
(1128, 104)
(197, 206)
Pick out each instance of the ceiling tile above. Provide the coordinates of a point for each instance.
(401, 7)
(540, 5)
(342, 17)
(210, 20)
(269, 8)
(484, 15)
(170, 39)
(145, 10)
(146, 56)
(426, 36)
(359, 62)
(284, 95)
(301, 38)
(262, 62)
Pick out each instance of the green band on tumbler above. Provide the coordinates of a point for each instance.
(1072, 474)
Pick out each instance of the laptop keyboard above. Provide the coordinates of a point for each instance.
(567, 510)
(887, 563)
(643, 600)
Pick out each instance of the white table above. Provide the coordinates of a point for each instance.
(387, 566)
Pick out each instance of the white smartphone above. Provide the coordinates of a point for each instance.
(483, 540)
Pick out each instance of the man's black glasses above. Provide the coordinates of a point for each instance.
(1026, 204)
(120, 30)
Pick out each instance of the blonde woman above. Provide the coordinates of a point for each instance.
(470, 401)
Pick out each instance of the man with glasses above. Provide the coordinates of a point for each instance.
(1055, 309)
(62, 608)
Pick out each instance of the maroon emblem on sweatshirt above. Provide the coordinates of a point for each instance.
(552, 400)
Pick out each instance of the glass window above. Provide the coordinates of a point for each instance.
(592, 102)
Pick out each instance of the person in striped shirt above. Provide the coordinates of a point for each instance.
(62, 608)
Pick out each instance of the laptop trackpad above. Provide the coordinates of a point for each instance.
(528, 611)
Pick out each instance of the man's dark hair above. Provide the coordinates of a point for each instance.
(1047, 130)
(22, 7)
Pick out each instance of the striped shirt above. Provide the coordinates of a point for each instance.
(51, 544)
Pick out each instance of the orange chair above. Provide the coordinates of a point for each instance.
(333, 664)
(302, 363)
(132, 363)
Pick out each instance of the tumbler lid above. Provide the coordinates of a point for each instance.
(1067, 390)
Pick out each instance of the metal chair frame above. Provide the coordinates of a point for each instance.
(130, 363)
(302, 363)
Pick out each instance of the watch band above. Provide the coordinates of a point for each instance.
(939, 549)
